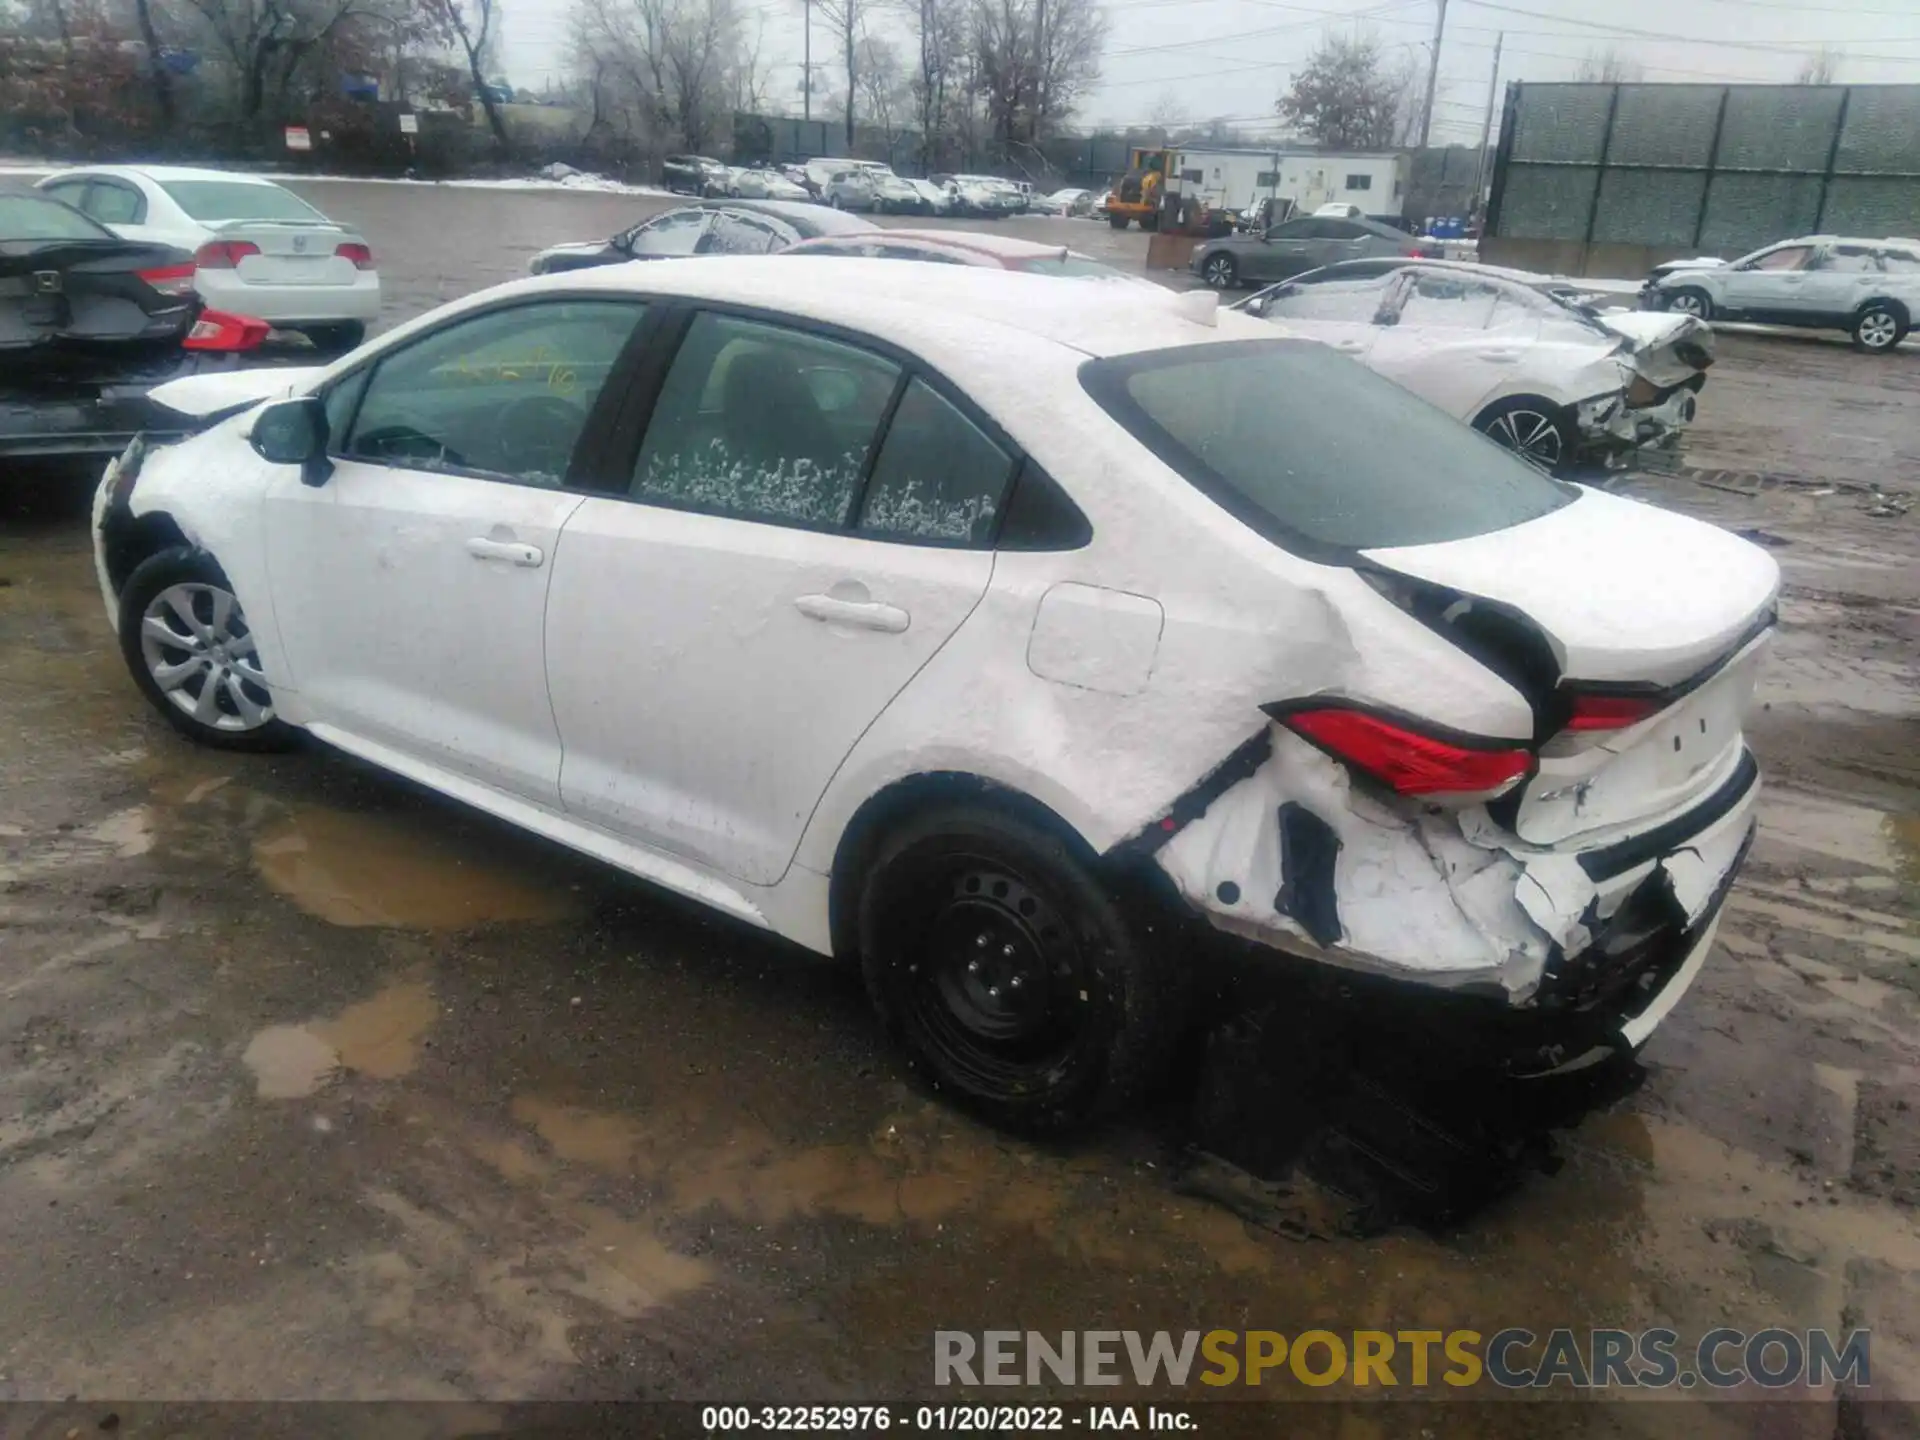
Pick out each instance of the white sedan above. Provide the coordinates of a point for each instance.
(1509, 353)
(258, 249)
(995, 636)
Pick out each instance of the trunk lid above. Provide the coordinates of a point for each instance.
(83, 301)
(291, 252)
(1667, 348)
(1634, 601)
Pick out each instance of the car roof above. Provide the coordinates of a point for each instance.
(958, 315)
(1001, 247)
(160, 174)
(802, 215)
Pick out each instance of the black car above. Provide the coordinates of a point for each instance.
(89, 323)
(711, 227)
(693, 175)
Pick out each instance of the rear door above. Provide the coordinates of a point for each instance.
(1837, 280)
(806, 524)
(411, 587)
(1455, 340)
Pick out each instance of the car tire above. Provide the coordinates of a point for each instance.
(1009, 975)
(338, 337)
(1534, 429)
(1151, 222)
(1118, 222)
(1878, 327)
(210, 650)
(1690, 300)
(1220, 271)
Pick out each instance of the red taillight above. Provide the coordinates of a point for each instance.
(223, 254)
(217, 330)
(1609, 712)
(360, 255)
(1406, 760)
(173, 280)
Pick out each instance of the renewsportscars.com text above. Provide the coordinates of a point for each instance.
(1365, 1359)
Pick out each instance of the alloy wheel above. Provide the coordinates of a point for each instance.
(1877, 330)
(1219, 272)
(198, 649)
(1686, 303)
(1529, 434)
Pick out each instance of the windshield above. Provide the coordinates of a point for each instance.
(217, 200)
(33, 217)
(1311, 450)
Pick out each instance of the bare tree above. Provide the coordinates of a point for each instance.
(472, 23)
(1609, 67)
(1070, 37)
(671, 67)
(267, 39)
(1168, 114)
(848, 19)
(1346, 97)
(1819, 68)
(1032, 61)
(884, 93)
(157, 74)
(939, 30)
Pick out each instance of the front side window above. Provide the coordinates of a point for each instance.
(763, 422)
(1290, 445)
(939, 476)
(734, 234)
(503, 395)
(236, 200)
(1786, 258)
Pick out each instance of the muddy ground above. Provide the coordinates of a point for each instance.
(316, 1086)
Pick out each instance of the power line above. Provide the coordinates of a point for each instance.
(1790, 47)
(1325, 15)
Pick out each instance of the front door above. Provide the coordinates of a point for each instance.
(411, 587)
(1771, 284)
(720, 637)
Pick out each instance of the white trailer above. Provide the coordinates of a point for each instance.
(1239, 179)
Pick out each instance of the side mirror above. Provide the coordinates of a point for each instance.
(294, 432)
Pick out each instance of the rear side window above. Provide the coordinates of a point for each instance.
(939, 476)
(1321, 457)
(113, 204)
(236, 200)
(763, 423)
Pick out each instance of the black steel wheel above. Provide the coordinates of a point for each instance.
(1009, 975)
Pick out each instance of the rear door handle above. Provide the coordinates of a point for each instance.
(1500, 357)
(528, 556)
(863, 614)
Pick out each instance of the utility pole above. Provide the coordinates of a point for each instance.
(1486, 127)
(1433, 77)
(806, 65)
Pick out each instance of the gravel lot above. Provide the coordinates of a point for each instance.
(317, 1086)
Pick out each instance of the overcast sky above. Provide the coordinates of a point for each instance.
(1232, 58)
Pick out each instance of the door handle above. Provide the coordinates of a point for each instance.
(863, 614)
(1352, 347)
(528, 556)
(1500, 357)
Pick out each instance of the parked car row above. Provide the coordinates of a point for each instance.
(869, 185)
(91, 321)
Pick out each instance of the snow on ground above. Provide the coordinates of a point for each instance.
(571, 180)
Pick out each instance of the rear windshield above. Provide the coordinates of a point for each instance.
(216, 200)
(1315, 452)
(31, 217)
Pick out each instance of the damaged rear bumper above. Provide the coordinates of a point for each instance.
(1549, 957)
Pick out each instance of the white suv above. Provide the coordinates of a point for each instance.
(1868, 288)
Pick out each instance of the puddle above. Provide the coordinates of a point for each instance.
(130, 832)
(289, 1062)
(362, 870)
(379, 1038)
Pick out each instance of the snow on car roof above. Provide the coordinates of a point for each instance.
(945, 312)
(164, 173)
(1007, 247)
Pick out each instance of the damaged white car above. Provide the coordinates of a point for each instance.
(1511, 354)
(1001, 638)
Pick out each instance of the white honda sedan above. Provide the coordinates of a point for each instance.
(258, 249)
(996, 636)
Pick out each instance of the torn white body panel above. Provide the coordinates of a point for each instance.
(1424, 893)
